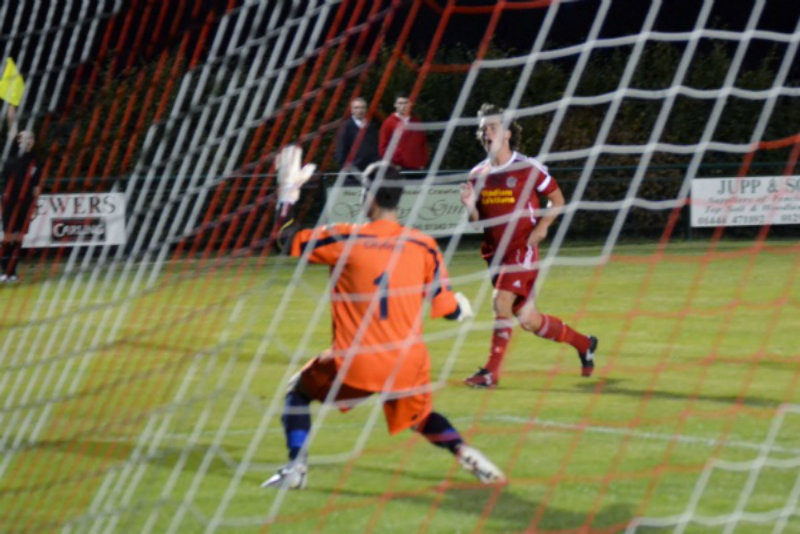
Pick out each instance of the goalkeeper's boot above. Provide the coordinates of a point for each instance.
(482, 379)
(291, 476)
(479, 465)
(587, 358)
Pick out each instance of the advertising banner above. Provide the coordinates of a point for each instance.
(752, 201)
(70, 220)
(440, 214)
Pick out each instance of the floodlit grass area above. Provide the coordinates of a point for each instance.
(136, 407)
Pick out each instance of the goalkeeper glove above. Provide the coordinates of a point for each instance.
(465, 308)
(291, 176)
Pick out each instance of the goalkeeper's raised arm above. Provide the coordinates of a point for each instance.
(291, 178)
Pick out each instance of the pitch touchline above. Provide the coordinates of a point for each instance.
(505, 418)
(656, 436)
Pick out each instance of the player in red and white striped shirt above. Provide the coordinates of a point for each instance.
(503, 193)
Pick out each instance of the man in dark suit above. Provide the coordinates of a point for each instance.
(357, 139)
(19, 186)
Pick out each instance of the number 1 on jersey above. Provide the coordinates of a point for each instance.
(382, 281)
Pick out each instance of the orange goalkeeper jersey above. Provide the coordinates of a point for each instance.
(383, 273)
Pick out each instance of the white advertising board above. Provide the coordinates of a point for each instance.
(70, 220)
(440, 214)
(752, 201)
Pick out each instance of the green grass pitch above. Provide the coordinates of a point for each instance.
(149, 405)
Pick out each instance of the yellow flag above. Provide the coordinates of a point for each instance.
(11, 84)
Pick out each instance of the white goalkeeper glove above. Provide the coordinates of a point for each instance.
(291, 176)
(464, 306)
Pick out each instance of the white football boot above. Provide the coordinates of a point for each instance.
(291, 476)
(479, 465)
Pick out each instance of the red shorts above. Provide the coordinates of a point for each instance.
(403, 409)
(518, 282)
(517, 273)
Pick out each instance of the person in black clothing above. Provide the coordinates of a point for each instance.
(20, 187)
(357, 139)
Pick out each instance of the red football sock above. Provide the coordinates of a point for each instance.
(503, 327)
(555, 329)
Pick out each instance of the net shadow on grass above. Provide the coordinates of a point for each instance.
(508, 511)
(613, 386)
(512, 513)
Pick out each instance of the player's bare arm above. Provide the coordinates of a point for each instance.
(554, 205)
(11, 117)
(468, 199)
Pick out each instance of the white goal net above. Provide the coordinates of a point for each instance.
(142, 383)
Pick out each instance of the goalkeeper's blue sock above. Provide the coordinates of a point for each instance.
(438, 430)
(296, 421)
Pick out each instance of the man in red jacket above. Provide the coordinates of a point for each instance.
(409, 150)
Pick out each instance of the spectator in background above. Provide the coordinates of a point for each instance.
(20, 187)
(411, 149)
(357, 139)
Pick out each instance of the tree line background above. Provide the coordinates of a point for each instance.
(95, 145)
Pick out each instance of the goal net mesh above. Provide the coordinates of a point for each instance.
(142, 383)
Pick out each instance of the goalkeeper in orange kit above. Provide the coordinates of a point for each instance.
(383, 273)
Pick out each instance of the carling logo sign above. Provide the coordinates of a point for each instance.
(77, 220)
(71, 229)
